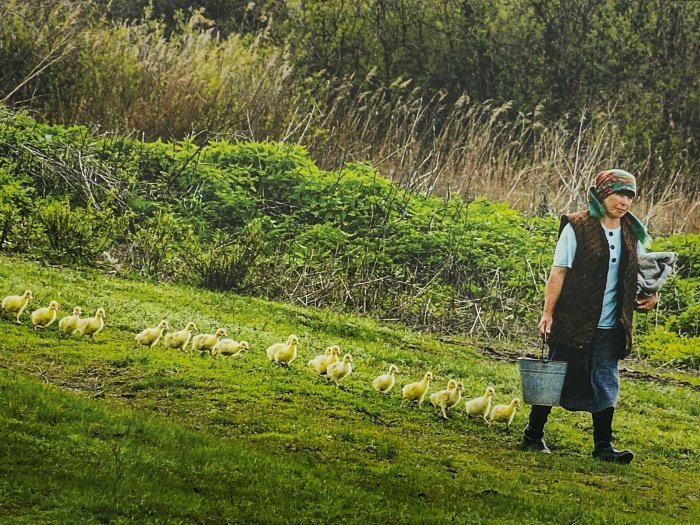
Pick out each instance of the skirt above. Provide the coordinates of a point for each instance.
(592, 379)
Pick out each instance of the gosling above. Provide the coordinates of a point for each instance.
(179, 340)
(315, 363)
(332, 358)
(504, 413)
(416, 391)
(440, 397)
(69, 323)
(480, 406)
(207, 342)
(230, 347)
(340, 370)
(385, 382)
(43, 317)
(15, 304)
(150, 336)
(283, 353)
(91, 325)
(446, 399)
(319, 364)
(456, 395)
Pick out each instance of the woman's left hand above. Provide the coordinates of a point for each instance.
(646, 302)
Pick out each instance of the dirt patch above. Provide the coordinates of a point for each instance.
(664, 380)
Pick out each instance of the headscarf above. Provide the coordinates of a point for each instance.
(615, 181)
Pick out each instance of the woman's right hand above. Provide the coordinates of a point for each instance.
(545, 326)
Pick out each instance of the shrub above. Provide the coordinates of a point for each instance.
(154, 247)
(225, 261)
(687, 247)
(75, 235)
(17, 226)
(687, 322)
(664, 347)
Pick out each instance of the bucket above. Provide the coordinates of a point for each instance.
(541, 380)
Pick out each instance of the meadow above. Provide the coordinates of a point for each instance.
(105, 432)
(194, 161)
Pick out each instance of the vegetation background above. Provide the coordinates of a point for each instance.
(517, 100)
(401, 160)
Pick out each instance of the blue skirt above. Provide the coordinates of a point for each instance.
(592, 379)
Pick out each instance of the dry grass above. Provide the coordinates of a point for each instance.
(488, 149)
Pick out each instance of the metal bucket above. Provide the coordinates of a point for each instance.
(542, 380)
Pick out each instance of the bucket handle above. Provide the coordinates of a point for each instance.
(544, 341)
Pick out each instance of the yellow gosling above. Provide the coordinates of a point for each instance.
(442, 395)
(480, 406)
(504, 413)
(283, 353)
(15, 304)
(207, 342)
(385, 382)
(445, 399)
(332, 358)
(69, 323)
(230, 347)
(91, 325)
(316, 363)
(455, 395)
(150, 336)
(319, 364)
(178, 340)
(43, 317)
(416, 391)
(340, 370)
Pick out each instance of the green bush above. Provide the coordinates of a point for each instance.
(75, 235)
(687, 322)
(687, 246)
(669, 348)
(154, 247)
(224, 262)
(17, 226)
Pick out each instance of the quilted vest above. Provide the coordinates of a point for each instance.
(578, 309)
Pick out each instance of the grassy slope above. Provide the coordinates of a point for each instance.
(107, 433)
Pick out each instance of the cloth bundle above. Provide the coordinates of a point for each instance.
(654, 270)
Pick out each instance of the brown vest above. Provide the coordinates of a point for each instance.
(580, 303)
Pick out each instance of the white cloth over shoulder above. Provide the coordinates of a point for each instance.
(654, 270)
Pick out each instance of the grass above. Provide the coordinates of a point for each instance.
(106, 433)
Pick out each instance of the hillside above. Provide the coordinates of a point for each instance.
(102, 432)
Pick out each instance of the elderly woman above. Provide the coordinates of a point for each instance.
(589, 299)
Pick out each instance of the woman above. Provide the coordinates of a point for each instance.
(589, 299)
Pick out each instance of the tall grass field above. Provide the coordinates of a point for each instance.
(106, 432)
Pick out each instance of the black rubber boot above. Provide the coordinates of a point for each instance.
(604, 451)
(534, 441)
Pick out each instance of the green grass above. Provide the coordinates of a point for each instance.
(105, 433)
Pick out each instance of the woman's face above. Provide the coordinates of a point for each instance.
(617, 204)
